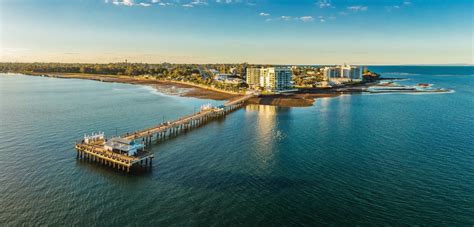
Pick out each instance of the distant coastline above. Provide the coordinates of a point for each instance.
(302, 97)
(299, 99)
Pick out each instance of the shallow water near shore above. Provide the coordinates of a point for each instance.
(352, 159)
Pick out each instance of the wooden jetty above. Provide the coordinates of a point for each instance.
(96, 148)
(96, 153)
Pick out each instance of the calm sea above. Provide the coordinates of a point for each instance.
(361, 159)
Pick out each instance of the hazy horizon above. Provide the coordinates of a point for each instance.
(230, 63)
(307, 32)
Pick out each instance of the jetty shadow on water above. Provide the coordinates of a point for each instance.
(222, 181)
(107, 170)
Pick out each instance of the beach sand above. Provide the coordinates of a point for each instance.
(166, 87)
(185, 90)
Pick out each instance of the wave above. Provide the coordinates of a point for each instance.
(411, 93)
(449, 75)
(430, 93)
(153, 90)
(421, 74)
(402, 74)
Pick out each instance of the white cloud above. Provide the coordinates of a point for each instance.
(198, 2)
(229, 1)
(321, 19)
(307, 18)
(324, 4)
(160, 3)
(304, 19)
(405, 4)
(390, 8)
(123, 2)
(246, 2)
(184, 3)
(264, 14)
(195, 3)
(128, 3)
(357, 8)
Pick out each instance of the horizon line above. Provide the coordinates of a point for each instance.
(367, 64)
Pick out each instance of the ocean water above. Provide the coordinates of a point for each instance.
(359, 159)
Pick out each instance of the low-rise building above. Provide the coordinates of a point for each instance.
(228, 78)
(123, 146)
(214, 72)
(222, 76)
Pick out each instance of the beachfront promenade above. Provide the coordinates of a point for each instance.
(96, 152)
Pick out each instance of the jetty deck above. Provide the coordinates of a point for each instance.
(95, 152)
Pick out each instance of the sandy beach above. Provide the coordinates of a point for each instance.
(188, 90)
(167, 87)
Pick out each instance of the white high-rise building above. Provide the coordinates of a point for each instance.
(270, 78)
(253, 77)
(343, 73)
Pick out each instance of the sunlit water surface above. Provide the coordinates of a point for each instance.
(360, 159)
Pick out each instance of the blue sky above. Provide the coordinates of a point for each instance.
(227, 31)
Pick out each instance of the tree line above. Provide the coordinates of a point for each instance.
(129, 69)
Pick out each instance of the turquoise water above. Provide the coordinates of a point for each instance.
(360, 159)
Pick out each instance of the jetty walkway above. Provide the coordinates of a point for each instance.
(187, 122)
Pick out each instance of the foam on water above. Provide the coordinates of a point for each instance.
(152, 90)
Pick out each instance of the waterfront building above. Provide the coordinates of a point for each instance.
(356, 73)
(331, 72)
(253, 77)
(342, 74)
(213, 71)
(222, 76)
(123, 146)
(228, 78)
(269, 78)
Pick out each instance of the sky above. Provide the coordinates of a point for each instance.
(371, 32)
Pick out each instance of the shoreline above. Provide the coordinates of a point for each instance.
(304, 97)
(165, 86)
(197, 91)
